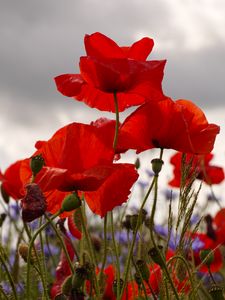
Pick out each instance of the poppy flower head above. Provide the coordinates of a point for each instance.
(200, 164)
(178, 125)
(140, 50)
(108, 69)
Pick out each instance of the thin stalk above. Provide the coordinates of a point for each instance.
(9, 276)
(151, 227)
(2, 292)
(44, 269)
(90, 248)
(105, 248)
(187, 268)
(117, 256)
(117, 121)
(31, 246)
(130, 253)
(38, 270)
(61, 242)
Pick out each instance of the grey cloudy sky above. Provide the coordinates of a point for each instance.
(44, 38)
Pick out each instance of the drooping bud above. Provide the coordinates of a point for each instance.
(2, 218)
(36, 164)
(33, 204)
(23, 252)
(143, 268)
(134, 221)
(137, 163)
(81, 273)
(157, 255)
(60, 297)
(137, 278)
(126, 223)
(157, 165)
(76, 294)
(67, 286)
(4, 195)
(115, 285)
(216, 293)
(71, 202)
(207, 256)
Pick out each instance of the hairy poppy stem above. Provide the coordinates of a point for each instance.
(8, 275)
(151, 227)
(105, 248)
(61, 242)
(117, 121)
(31, 244)
(90, 248)
(116, 254)
(187, 268)
(127, 266)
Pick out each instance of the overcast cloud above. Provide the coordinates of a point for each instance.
(44, 38)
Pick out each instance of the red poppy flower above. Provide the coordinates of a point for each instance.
(109, 69)
(79, 158)
(178, 125)
(200, 165)
(11, 181)
(219, 222)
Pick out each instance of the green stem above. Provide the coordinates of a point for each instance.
(117, 256)
(130, 253)
(187, 268)
(44, 269)
(2, 292)
(61, 242)
(105, 248)
(8, 275)
(151, 227)
(117, 121)
(38, 270)
(90, 248)
(31, 246)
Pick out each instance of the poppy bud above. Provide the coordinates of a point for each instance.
(4, 195)
(33, 204)
(137, 163)
(60, 297)
(2, 218)
(155, 255)
(134, 221)
(23, 252)
(216, 293)
(137, 278)
(76, 294)
(115, 284)
(71, 202)
(157, 165)
(79, 276)
(36, 164)
(67, 285)
(126, 224)
(143, 268)
(207, 256)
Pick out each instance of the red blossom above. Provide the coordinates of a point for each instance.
(178, 125)
(11, 181)
(219, 223)
(109, 69)
(79, 157)
(200, 164)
